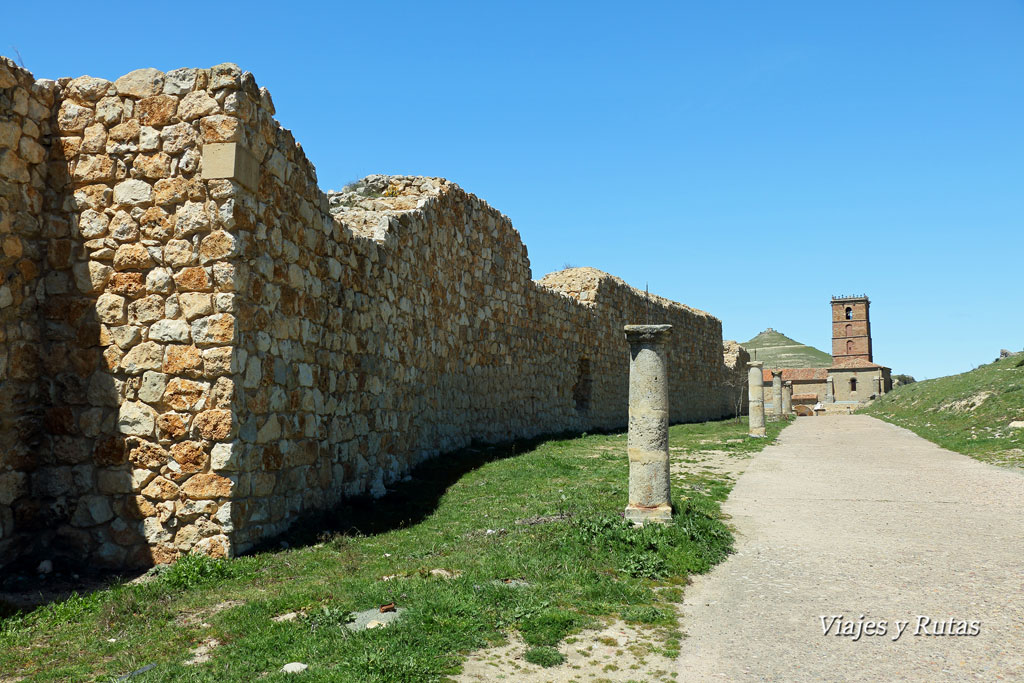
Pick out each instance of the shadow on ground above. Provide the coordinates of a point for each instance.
(407, 502)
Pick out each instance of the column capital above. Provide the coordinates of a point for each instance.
(647, 334)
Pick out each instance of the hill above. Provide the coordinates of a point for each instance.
(969, 413)
(779, 351)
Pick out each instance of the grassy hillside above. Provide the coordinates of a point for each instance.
(779, 351)
(968, 413)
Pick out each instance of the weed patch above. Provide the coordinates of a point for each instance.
(196, 570)
(543, 656)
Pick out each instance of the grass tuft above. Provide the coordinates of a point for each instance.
(544, 656)
(196, 570)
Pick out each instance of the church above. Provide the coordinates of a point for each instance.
(852, 379)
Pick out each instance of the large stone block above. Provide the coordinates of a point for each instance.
(230, 160)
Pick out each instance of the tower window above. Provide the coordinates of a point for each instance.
(849, 313)
(853, 384)
(849, 330)
(849, 346)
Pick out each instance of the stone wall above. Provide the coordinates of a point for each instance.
(25, 112)
(736, 358)
(116, 362)
(222, 346)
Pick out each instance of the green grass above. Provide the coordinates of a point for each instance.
(575, 563)
(967, 413)
(779, 351)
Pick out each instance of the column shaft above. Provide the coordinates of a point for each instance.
(777, 394)
(649, 483)
(755, 392)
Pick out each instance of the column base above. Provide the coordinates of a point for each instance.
(640, 515)
(758, 432)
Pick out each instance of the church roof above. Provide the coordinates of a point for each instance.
(797, 374)
(853, 363)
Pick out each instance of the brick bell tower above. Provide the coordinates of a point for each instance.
(851, 328)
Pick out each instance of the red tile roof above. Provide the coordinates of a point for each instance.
(797, 374)
(848, 363)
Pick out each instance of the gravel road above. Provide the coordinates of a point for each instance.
(851, 516)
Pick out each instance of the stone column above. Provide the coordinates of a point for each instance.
(755, 393)
(649, 485)
(830, 392)
(787, 399)
(777, 394)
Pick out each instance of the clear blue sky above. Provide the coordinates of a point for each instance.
(821, 147)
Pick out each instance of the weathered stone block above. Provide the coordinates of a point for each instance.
(215, 425)
(129, 285)
(133, 193)
(183, 360)
(87, 89)
(185, 395)
(148, 309)
(140, 83)
(214, 329)
(190, 456)
(169, 331)
(172, 426)
(110, 309)
(148, 456)
(207, 486)
(170, 191)
(145, 356)
(153, 165)
(152, 388)
(157, 110)
(196, 105)
(73, 117)
(161, 489)
(217, 245)
(217, 361)
(136, 418)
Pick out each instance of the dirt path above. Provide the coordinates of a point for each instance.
(851, 516)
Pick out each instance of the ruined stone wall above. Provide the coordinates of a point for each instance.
(403, 324)
(736, 358)
(222, 346)
(25, 112)
(132, 320)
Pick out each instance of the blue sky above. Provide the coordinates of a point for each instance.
(748, 158)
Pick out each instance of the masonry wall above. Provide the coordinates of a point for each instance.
(200, 344)
(851, 347)
(25, 111)
(115, 368)
(867, 383)
(403, 323)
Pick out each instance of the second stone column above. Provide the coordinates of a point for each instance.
(755, 387)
